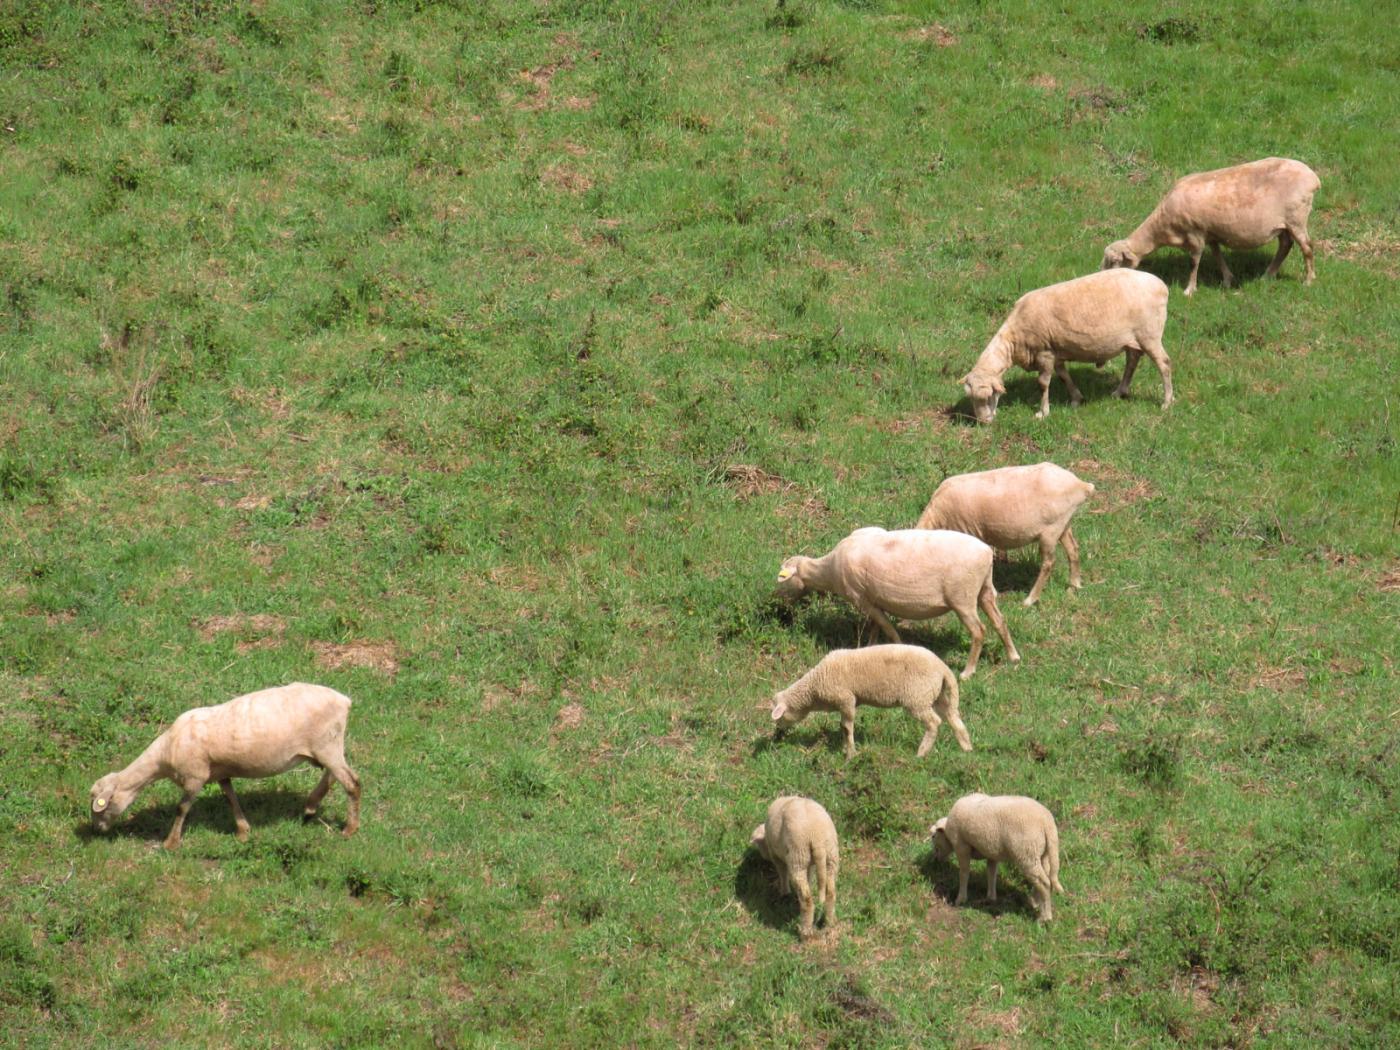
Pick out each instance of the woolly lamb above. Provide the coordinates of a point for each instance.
(799, 838)
(1012, 507)
(257, 735)
(914, 573)
(904, 676)
(1093, 318)
(1002, 828)
(1240, 207)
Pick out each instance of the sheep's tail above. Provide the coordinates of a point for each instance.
(1051, 857)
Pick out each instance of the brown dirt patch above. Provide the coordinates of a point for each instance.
(1044, 81)
(1199, 986)
(561, 177)
(260, 631)
(569, 716)
(934, 33)
(377, 656)
(1279, 679)
(749, 481)
(1114, 489)
(252, 501)
(1390, 579)
(579, 102)
(1008, 1022)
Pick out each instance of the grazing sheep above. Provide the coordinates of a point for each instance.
(1091, 318)
(914, 573)
(1011, 507)
(1002, 828)
(906, 676)
(257, 735)
(1240, 207)
(798, 837)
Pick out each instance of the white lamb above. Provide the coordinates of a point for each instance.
(999, 828)
(257, 735)
(1011, 507)
(1093, 318)
(914, 573)
(800, 840)
(906, 676)
(1240, 207)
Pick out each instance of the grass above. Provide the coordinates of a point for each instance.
(483, 360)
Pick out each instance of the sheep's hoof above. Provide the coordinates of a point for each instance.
(1041, 415)
(1030, 600)
(241, 834)
(965, 675)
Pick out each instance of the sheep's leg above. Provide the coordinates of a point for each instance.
(1285, 242)
(1040, 883)
(931, 722)
(1153, 348)
(1300, 234)
(1195, 248)
(1134, 356)
(883, 622)
(347, 779)
(240, 822)
(1076, 398)
(948, 702)
(784, 884)
(974, 627)
(804, 902)
(988, 600)
(1071, 546)
(313, 800)
(1226, 277)
(1047, 565)
(848, 723)
(1044, 380)
(964, 870)
(991, 880)
(177, 830)
(829, 891)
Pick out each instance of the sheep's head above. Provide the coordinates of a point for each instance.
(984, 390)
(939, 834)
(791, 582)
(759, 841)
(109, 801)
(1119, 254)
(784, 717)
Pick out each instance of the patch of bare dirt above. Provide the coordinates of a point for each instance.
(1114, 489)
(1044, 81)
(569, 716)
(1390, 579)
(376, 656)
(259, 631)
(935, 33)
(1008, 1022)
(252, 501)
(749, 481)
(1279, 679)
(562, 177)
(1199, 986)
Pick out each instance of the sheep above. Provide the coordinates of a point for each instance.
(915, 573)
(257, 735)
(797, 838)
(1002, 828)
(904, 676)
(1092, 318)
(1240, 207)
(1012, 507)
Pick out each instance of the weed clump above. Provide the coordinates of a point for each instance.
(1155, 762)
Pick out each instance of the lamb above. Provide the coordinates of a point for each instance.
(1012, 507)
(257, 735)
(904, 676)
(799, 838)
(915, 573)
(1240, 207)
(1002, 828)
(1093, 318)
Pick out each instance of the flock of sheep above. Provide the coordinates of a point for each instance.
(943, 564)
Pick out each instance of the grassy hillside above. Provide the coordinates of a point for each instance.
(483, 359)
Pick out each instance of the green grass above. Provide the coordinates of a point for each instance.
(428, 332)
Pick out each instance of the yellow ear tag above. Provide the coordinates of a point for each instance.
(783, 574)
(100, 804)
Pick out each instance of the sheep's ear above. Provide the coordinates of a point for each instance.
(939, 825)
(785, 572)
(779, 710)
(998, 386)
(99, 804)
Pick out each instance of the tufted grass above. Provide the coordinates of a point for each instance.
(483, 360)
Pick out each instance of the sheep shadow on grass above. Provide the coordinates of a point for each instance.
(756, 888)
(942, 877)
(264, 808)
(1174, 267)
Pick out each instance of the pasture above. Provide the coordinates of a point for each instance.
(484, 359)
